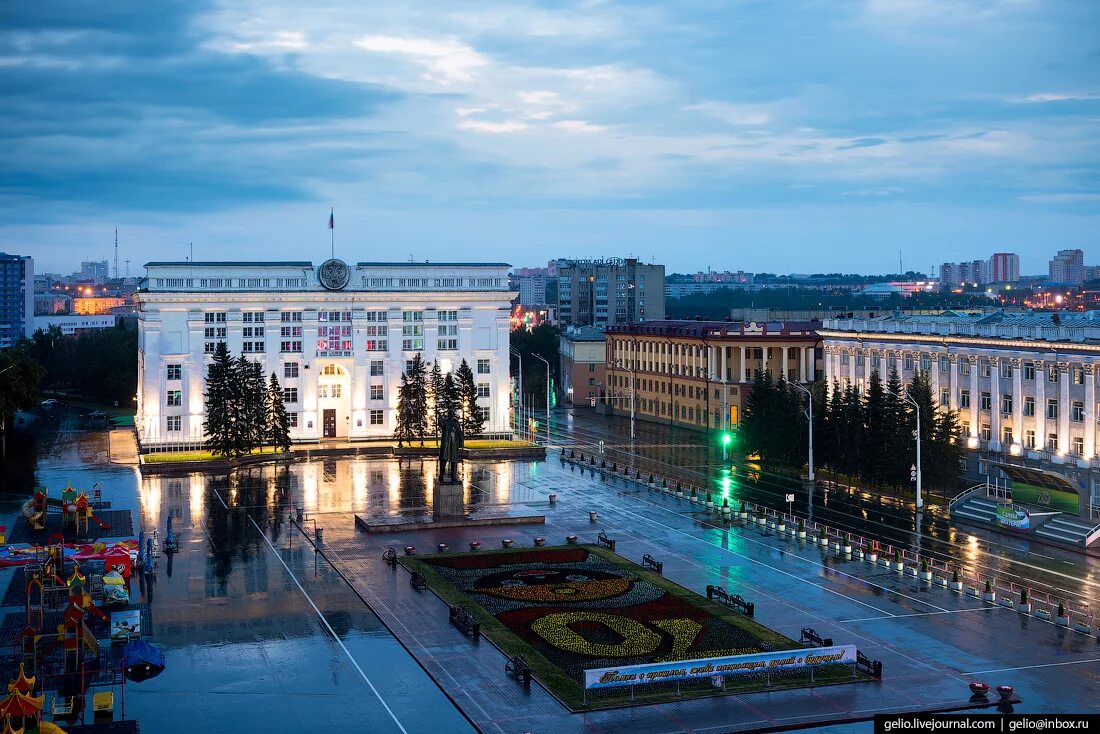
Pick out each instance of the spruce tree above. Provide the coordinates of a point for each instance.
(472, 421)
(216, 424)
(405, 418)
(416, 376)
(897, 439)
(757, 423)
(436, 399)
(255, 404)
(449, 396)
(278, 422)
(878, 424)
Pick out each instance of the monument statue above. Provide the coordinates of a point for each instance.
(450, 448)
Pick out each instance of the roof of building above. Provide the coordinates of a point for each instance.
(718, 329)
(584, 334)
(433, 264)
(231, 263)
(1073, 326)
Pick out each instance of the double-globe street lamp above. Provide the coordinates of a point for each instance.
(810, 421)
(633, 379)
(916, 407)
(543, 360)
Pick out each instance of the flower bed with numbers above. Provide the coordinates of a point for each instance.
(573, 608)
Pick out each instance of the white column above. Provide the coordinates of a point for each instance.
(1090, 410)
(1017, 403)
(934, 376)
(995, 403)
(1064, 407)
(744, 363)
(974, 416)
(852, 365)
(953, 381)
(1040, 405)
(722, 361)
(801, 364)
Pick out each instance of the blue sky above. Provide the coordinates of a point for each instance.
(802, 136)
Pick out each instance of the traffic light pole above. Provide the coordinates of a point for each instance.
(810, 417)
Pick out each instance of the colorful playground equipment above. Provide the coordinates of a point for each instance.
(74, 506)
(21, 554)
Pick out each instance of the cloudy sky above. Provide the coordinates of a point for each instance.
(804, 135)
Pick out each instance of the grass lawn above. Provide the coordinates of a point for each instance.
(713, 628)
(198, 455)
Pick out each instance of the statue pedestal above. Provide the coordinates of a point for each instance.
(448, 501)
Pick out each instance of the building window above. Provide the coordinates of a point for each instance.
(1077, 413)
(1029, 371)
(294, 347)
(1029, 439)
(907, 362)
(986, 369)
(925, 362)
(964, 368)
(1078, 376)
(290, 395)
(293, 419)
(290, 332)
(1078, 446)
(1052, 442)
(252, 347)
(1052, 409)
(448, 315)
(483, 367)
(175, 398)
(945, 395)
(290, 317)
(986, 402)
(1029, 406)
(964, 398)
(252, 317)
(984, 433)
(290, 370)
(377, 345)
(1006, 368)
(377, 392)
(1052, 373)
(175, 372)
(174, 423)
(483, 389)
(376, 367)
(1006, 435)
(377, 417)
(945, 364)
(448, 337)
(483, 410)
(410, 317)
(1006, 404)
(214, 317)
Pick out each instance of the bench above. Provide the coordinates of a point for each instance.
(390, 556)
(465, 622)
(733, 601)
(650, 564)
(417, 581)
(868, 666)
(810, 637)
(518, 669)
(605, 541)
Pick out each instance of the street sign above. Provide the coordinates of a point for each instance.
(913, 473)
(592, 402)
(601, 446)
(790, 498)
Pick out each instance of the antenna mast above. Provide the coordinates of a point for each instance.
(116, 253)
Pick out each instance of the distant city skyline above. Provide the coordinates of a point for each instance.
(812, 137)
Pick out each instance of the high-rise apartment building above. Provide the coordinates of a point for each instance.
(96, 271)
(1068, 266)
(16, 298)
(608, 292)
(1004, 267)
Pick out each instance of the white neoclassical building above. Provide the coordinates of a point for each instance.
(337, 336)
(1023, 383)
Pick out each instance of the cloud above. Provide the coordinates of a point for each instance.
(486, 126)
(732, 114)
(1045, 97)
(863, 143)
(1069, 197)
(577, 126)
(445, 61)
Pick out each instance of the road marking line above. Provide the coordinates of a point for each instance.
(1031, 667)
(321, 617)
(921, 614)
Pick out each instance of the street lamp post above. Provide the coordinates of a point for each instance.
(541, 359)
(810, 417)
(519, 386)
(632, 413)
(916, 407)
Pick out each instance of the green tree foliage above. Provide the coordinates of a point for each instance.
(436, 399)
(545, 341)
(472, 421)
(406, 420)
(220, 389)
(100, 365)
(416, 374)
(253, 405)
(277, 422)
(20, 376)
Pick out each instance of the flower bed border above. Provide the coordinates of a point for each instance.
(568, 691)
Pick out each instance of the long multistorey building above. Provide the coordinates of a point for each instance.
(16, 298)
(608, 292)
(338, 337)
(699, 373)
(1024, 384)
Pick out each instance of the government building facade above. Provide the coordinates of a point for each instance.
(1024, 383)
(338, 337)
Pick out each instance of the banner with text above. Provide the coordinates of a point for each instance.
(760, 662)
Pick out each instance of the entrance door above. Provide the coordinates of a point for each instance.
(329, 423)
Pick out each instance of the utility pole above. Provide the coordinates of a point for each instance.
(116, 253)
(543, 360)
(519, 386)
(917, 467)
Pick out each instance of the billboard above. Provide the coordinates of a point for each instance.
(759, 662)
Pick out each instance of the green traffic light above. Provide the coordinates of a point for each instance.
(727, 439)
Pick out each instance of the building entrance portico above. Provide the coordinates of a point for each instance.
(334, 400)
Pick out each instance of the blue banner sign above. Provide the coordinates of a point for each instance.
(760, 662)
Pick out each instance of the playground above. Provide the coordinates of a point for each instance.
(76, 633)
(570, 609)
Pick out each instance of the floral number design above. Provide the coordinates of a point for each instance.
(637, 638)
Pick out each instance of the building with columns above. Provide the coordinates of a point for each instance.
(698, 373)
(337, 336)
(1024, 383)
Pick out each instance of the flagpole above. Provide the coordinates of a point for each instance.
(332, 232)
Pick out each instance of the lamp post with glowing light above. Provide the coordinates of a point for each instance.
(916, 407)
(810, 420)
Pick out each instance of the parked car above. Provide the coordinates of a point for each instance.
(98, 414)
(49, 403)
